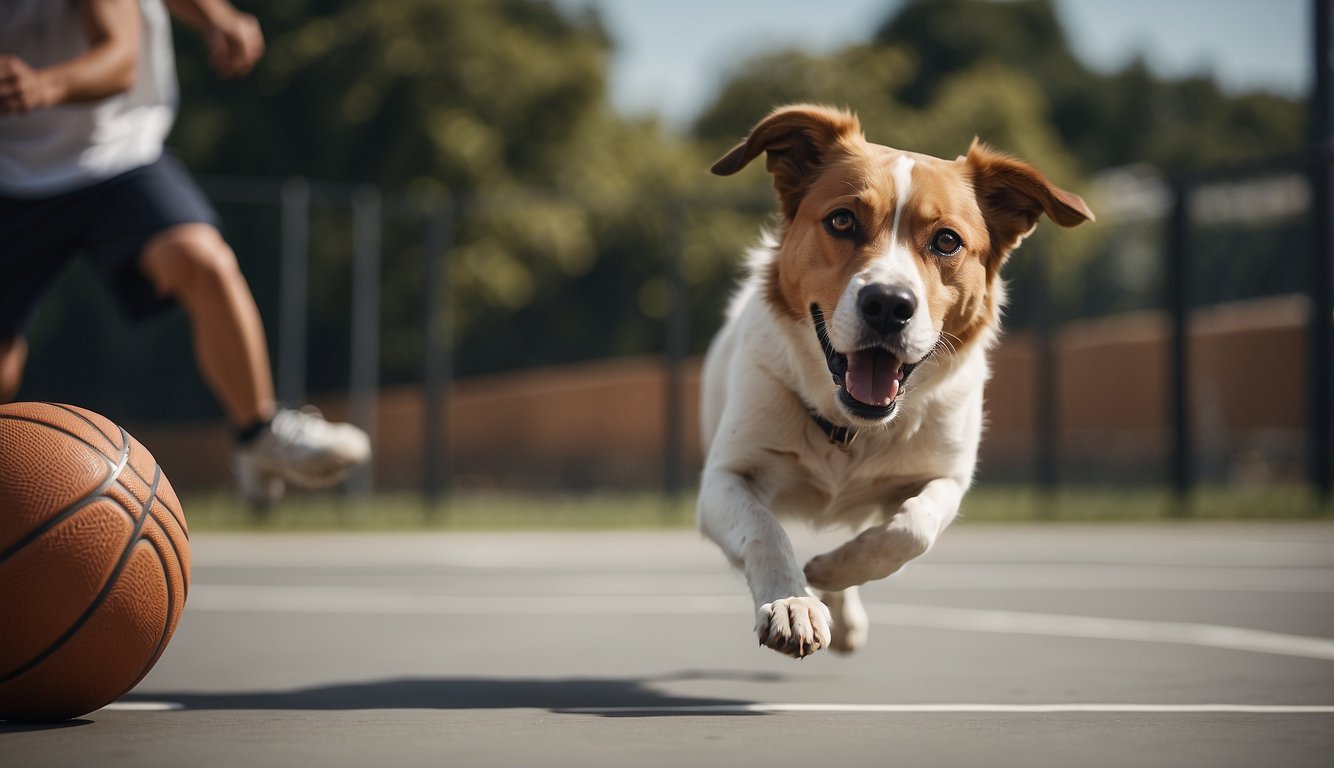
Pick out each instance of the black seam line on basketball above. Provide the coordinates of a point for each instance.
(180, 519)
(97, 493)
(166, 626)
(142, 479)
(185, 577)
(126, 490)
(97, 601)
(125, 449)
(76, 414)
(124, 438)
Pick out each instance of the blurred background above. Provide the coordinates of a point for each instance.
(485, 230)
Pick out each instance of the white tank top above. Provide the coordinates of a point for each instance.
(54, 150)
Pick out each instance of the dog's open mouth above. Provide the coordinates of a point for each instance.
(869, 380)
(873, 377)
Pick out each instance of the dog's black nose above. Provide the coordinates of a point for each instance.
(886, 308)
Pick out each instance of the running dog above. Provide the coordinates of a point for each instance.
(884, 275)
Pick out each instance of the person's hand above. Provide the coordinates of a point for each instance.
(22, 88)
(235, 44)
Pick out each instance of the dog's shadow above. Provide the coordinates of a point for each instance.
(608, 697)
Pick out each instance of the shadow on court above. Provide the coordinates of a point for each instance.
(8, 727)
(555, 695)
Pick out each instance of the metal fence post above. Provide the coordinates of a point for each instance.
(365, 352)
(1320, 329)
(438, 364)
(1045, 391)
(293, 287)
(1178, 300)
(677, 344)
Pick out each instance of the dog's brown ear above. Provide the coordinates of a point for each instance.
(797, 140)
(1013, 194)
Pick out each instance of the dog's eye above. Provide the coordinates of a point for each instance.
(841, 223)
(946, 242)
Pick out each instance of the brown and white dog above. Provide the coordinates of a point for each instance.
(884, 272)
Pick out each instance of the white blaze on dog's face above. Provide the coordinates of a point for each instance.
(897, 254)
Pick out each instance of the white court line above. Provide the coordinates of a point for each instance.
(705, 709)
(143, 706)
(1259, 709)
(1100, 628)
(372, 601)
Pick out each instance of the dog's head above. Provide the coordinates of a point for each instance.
(892, 255)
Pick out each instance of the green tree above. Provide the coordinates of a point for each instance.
(502, 106)
(469, 93)
(1105, 120)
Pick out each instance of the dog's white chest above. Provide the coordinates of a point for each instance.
(827, 484)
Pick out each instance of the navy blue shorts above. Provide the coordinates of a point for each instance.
(108, 223)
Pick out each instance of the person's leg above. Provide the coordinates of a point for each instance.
(13, 355)
(157, 245)
(192, 264)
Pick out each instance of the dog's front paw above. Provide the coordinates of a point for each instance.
(796, 626)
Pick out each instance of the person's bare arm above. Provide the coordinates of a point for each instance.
(235, 41)
(105, 69)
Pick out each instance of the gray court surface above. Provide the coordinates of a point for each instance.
(1062, 645)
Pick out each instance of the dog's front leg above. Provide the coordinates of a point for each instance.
(787, 618)
(883, 549)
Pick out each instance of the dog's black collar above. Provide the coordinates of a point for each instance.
(838, 435)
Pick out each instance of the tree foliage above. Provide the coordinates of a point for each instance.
(463, 94)
(501, 106)
(1104, 119)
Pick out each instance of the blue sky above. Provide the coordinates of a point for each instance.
(673, 55)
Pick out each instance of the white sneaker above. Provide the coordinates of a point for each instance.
(301, 448)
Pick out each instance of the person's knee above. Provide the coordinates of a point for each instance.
(13, 356)
(191, 261)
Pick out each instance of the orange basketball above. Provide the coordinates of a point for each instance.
(94, 561)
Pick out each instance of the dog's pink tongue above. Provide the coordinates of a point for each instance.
(873, 377)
